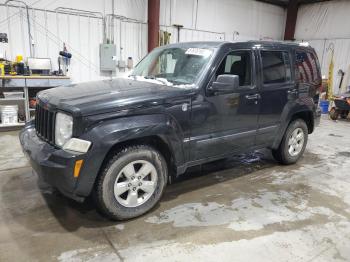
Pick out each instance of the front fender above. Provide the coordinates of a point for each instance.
(108, 133)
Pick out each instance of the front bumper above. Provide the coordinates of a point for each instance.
(54, 166)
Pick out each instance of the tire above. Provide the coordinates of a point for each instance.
(344, 114)
(140, 194)
(285, 154)
(334, 114)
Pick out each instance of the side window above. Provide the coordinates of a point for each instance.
(276, 67)
(307, 67)
(237, 63)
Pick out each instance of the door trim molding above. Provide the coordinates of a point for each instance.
(230, 137)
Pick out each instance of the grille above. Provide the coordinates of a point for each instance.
(44, 123)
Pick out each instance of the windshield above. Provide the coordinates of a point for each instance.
(173, 66)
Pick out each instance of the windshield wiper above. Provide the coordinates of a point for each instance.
(152, 77)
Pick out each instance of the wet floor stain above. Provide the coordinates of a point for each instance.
(252, 212)
(346, 154)
(246, 207)
(334, 135)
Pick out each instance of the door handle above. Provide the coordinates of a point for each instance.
(293, 92)
(253, 97)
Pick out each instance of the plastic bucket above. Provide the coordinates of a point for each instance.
(324, 105)
(9, 114)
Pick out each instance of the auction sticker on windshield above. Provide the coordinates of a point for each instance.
(198, 52)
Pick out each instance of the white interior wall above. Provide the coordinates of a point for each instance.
(325, 25)
(82, 35)
(202, 19)
(252, 19)
(136, 9)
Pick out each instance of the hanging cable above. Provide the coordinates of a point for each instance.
(58, 41)
(31, 40)
(6, 19)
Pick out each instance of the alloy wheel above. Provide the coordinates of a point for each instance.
(296, 142)
(135, 183)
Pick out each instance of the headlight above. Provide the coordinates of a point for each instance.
(63, 128)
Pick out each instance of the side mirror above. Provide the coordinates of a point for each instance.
(225, 84)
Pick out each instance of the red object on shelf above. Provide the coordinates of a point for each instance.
(32, 103)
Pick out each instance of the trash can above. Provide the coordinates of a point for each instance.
(324, 104)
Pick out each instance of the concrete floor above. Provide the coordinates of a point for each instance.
(246, 208)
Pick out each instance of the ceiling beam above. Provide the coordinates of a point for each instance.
(292, 13)
(274, 2)
(284, 3)
(153, 24)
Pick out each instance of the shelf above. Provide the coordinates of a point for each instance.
(12, 99)
(12, 125)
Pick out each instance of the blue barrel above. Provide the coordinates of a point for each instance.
(324, 104)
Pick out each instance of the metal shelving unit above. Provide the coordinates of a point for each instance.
(11, 99)
(26, 84)
(12, 125)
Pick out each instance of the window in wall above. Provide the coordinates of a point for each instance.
(308, 70)
(237, 63)
(276, 67)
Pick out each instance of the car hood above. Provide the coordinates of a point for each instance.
(108, 95)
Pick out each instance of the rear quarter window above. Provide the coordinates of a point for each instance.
(307, 68)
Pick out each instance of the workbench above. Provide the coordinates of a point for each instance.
(30, 85)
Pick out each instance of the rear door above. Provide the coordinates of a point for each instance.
(277, 88)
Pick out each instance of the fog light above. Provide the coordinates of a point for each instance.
(77, 145)
(77, 167)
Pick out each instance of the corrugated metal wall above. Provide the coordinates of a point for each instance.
(250, 19)
(82, 35)
(187, 34)
(325, 26)
(202, 19)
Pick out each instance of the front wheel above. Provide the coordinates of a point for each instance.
(293, 143)
(131, 183)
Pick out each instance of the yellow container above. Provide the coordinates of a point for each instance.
(2, 69)
(19, 58)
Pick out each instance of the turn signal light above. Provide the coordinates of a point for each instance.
(77, 167)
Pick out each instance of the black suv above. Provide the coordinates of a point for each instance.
(184, 104)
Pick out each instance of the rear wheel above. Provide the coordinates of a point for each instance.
(293, 143)
(131, 183)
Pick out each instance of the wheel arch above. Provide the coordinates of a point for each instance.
(302, 113)
(308, 118)
(159, 131)
(155, 141)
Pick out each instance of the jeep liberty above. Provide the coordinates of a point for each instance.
(184, 104)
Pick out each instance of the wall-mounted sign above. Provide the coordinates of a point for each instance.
(3, 38)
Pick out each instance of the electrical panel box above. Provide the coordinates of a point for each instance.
(108, 57)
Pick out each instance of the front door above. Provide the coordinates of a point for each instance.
(226, 123)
